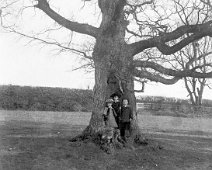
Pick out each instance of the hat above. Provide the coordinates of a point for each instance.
(109, 101)
(116, 94)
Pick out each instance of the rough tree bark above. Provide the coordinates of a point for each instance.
(113, 62)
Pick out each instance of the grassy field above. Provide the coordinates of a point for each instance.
(39, 141)
(145, 121)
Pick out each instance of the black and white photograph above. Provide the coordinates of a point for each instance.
(106, 85)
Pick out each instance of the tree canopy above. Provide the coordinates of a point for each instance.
(153, 30)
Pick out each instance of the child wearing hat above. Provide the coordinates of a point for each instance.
(110, 114)
(117, 107)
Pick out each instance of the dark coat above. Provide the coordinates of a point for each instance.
(126, 114)
(117, 107)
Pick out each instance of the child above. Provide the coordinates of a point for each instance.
(110, 114)
(125, 117)
(117, 106)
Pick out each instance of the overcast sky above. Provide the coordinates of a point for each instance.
(30, 65)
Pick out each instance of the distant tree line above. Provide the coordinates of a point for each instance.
(170, 100)
(170, 104)
(64, 99)
(45, 98)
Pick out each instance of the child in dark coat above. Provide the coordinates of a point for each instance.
(117, 107)
(126, 116)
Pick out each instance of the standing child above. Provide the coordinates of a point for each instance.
(117, 107)
(125, 117)
(109, 114)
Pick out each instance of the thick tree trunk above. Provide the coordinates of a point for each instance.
(112, 75)
(112, 60)
(110, 80)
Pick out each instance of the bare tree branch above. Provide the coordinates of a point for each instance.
(170, 72)
(207, 2)
(73, 26)
(197, 31)
(54, 43)
(143, 82)
(154, 77)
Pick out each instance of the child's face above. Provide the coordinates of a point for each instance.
(116, 98)
(109, 104)
(125, 102)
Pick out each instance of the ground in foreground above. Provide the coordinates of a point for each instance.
(37, 146)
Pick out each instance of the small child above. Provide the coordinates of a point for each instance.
(109, 115)
(126, 116)
(117, 107)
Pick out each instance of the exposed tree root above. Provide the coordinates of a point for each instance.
(109, 139)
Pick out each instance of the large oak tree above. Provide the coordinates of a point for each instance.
(117, 57)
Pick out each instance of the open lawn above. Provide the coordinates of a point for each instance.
(39, 141)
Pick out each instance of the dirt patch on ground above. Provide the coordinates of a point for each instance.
(27, 145)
